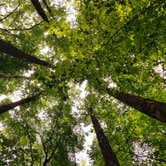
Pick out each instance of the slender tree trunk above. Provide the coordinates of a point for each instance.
(7, 107)
(7, 48)
(40, 10)
(149, 107)
(45, 162)
(106, 150)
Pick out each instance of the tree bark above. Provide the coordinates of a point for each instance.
(7, 48)
(106, 150)
(48, 8)
(7, 107)
(40, 10)
(149, 107)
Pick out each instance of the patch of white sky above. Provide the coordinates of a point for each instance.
(79, 99)
(70, 10)
(83, 156)
(110, 82)
(46, 51)
(82, 129)
(161, 70)
(9, 7)
(5, 8)
(142, 152)
(16, 95)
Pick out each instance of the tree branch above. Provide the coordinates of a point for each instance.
(2, 19)
(7, 107)
(39, 10)
(7, 48)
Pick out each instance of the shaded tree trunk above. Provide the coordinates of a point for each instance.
(48, 8)
(106, 150)
(7, 48)
(40, 10)
(46, 161)
(149, 107)
(7, 107)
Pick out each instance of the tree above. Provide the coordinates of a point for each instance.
(107, 152)
(116, 47)
(149, 107)
(13, 51)
(39, 9)
(7, 107)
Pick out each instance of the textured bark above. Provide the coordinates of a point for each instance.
(39, 10)
(48, 8)
(106, 150)
(7, 48)
(149, 107)
(7, 107)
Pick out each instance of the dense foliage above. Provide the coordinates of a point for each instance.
(115, 47)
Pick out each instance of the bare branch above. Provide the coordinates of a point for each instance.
(1, 20)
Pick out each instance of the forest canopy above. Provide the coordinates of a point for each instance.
(68, 63)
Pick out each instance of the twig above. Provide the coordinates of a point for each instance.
(1, 20)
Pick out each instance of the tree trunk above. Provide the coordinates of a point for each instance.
(40, 10)
(45, 162)
(48, 8)
(149, 107)
(7, 48)
(106, 150)
(7, 107)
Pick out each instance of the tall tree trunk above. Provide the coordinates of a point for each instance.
(40, 10)
(7, 107)
(106, 150)
(7, 48)
(149, 107)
